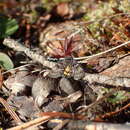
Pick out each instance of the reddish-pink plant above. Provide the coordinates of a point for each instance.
(65, 49)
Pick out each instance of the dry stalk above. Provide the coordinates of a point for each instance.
(34, 122)
(10, 111)
(85, 58)
(17, 68)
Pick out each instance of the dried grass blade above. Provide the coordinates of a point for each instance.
(10, 111)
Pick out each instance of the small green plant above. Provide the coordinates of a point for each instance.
(5, 61)
(7, 26)
(117, 97)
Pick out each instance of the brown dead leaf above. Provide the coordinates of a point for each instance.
(104, 63)
(100, 63)
(122, 69)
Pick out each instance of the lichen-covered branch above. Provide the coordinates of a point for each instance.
(15, 45)
(103, 79)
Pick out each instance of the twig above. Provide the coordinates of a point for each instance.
(63, 115)
(33, 55)
(106, 115)
(23, 66)
(34, 122)
(97, 101)
(103, 79)
(11, 112)
(45, 117)
(85, 58)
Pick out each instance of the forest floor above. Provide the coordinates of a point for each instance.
(65, 64)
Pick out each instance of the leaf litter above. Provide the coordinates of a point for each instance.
(64, 87)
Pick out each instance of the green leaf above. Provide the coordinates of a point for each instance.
(7, 26)
(5, 61)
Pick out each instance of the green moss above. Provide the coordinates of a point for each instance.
(106, 26)
(117, 97)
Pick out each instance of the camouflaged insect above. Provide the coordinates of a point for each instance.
(68, 69)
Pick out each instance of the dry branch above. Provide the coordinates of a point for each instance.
(103, 79)
(106, 115)
(45, 117)
(15, 45)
